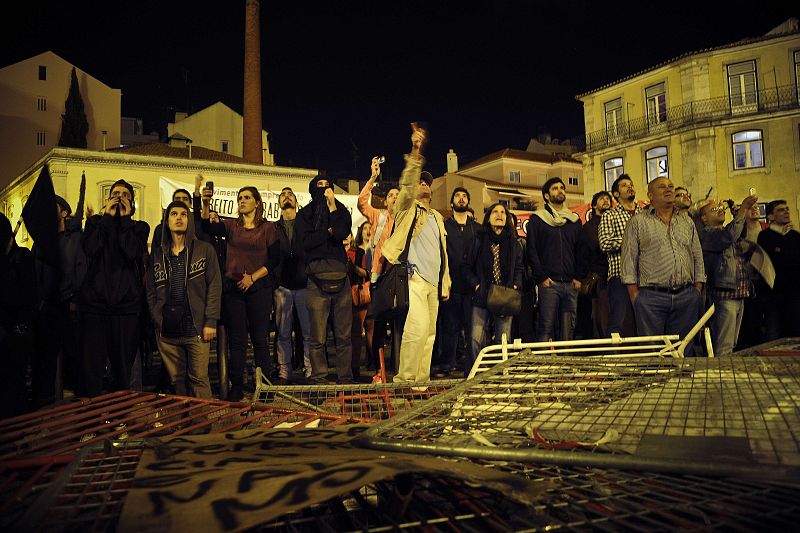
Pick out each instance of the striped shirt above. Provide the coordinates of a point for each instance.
(609, 236)
(655, 254)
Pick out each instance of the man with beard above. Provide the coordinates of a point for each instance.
(553, 237)
(290, 296)
(683, 199)
(595, 284)
(429, 278)
(457, 311)
(662, 265)
(321, 226)
(609, 235)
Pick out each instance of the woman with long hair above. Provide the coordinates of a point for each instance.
(359, 267)
(251, 255)
(495, 258)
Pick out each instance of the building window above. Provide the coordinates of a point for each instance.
(573, 180)
(613, 169)
(41, 138)
(656, 162)
(797, 73)
(748, 149)
(514, 176)
(613, 115)
(41, 103)
(743, 87)
(225, 146)
(42, 72)
(656, 100)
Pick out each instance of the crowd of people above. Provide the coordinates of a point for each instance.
(635, 268)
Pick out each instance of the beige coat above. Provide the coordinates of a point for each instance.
(404, 215)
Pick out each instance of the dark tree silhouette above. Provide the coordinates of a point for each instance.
(74, 125)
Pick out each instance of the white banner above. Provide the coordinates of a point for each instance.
(224, 201)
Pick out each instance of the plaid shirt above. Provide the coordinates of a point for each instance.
(609, 235)
(742, 289)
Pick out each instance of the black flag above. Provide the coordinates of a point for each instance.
(41, 218)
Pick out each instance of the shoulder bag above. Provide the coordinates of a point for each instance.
(390, 291)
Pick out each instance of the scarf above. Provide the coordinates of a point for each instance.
(554, 218)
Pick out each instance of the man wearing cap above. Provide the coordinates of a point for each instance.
(662, 265)
(57, 322)
(429, 277)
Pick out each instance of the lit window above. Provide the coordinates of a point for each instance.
(613, 111)
(656, 97)
(742, 86)
(748, 149)
(41, 103)
(613, 169)
(42, 72)
(656, 162)
(41, 138)
(225, 146)
(514, 176)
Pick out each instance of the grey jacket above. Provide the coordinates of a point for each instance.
(203, 279)
(719, 254)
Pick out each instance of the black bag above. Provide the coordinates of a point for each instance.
(503, 301)
(172, 320)
(329, 282)
(390, 291)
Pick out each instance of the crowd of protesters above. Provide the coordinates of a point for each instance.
(635, 268)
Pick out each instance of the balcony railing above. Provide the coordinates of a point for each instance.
(763, 101)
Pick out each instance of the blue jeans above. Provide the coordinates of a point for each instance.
(480, 319)
(557, 303)
(726, 323)
(619, 307)
(662, 313)
(286, 301)
(456, 316)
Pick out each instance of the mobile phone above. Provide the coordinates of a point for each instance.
(210, 185)
(752, 191)
(381, 159)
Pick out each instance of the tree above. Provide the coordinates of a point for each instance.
(74, 125)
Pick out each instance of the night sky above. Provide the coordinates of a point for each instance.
(485, 76)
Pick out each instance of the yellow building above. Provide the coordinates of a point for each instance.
(143, 166)
(512, 177)
(32, 96)
(724, 119)
(217, 127)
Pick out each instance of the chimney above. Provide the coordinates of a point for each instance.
(251, 127)
(452, 161)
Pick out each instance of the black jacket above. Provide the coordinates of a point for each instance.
(61, 283)
(291, 271)
(312, 223)
(553, 251)
(590, 254)
(459, 239)
(115, 247)
(477, 268)
(784, 251)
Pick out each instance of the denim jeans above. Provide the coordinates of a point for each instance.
(620, 309)
(662, 313)
(186, 358)
(726, 323)
(339, 307)
(557, 303)
(456, 317)
(480, 319)
(286, 301)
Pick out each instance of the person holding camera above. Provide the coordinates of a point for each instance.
(251, 256)
(494, 259)
(290, 295)
(184, 288)
(112, 295)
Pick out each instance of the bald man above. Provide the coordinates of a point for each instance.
(662, 265)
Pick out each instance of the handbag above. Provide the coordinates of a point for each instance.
(503, 301)
(361, 294)
(390, 291)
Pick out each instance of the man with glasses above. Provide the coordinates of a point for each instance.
(683, 199)
(662, 265)
(113, 294)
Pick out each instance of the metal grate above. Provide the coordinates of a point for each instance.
(785, 346)
(370, 402)
(127, 414)
(724, 416)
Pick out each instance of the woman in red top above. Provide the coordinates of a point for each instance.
(252, 253)
(359, 266)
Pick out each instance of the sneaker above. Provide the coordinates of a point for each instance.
(441, 373)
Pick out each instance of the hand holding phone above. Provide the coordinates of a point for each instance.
(210, 185)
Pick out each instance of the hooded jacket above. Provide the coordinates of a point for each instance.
(313, 221)
(115, 248)
(203, 279)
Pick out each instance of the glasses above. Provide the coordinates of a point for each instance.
(680, 194)
(717, 209)
(123, 194)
